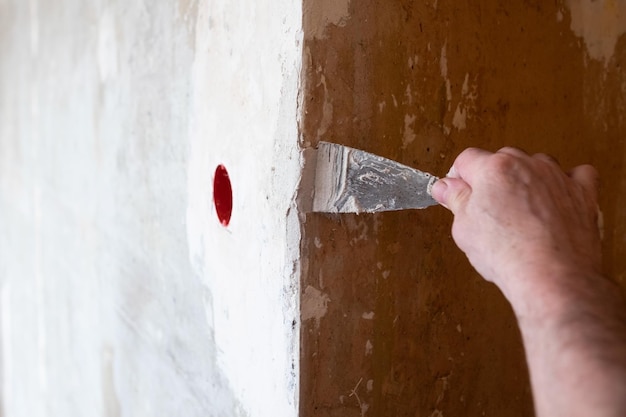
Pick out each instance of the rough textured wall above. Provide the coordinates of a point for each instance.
(121, 294)
(395, 322)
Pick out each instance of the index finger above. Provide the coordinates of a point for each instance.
(588, 178)
(468, 163)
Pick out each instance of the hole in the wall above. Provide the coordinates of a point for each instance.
(222, 195)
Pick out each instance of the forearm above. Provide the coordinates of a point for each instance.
(531, 228)
(574, 331)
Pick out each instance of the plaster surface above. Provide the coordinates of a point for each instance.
(409, 329)
(121, 294)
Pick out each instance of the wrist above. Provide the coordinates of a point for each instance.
(551, 296)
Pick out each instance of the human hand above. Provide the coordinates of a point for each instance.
(523, 222)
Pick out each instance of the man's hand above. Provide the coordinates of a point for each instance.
(515, 214)
(532, 229)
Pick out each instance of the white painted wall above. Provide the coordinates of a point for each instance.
(120, 292)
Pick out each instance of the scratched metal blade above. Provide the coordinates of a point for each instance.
(349, 180)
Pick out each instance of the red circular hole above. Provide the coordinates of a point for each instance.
(222, 195)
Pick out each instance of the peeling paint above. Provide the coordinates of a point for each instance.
(368, 315)
(314, 305)
(600, 24)
(467, 103)
(408, 135)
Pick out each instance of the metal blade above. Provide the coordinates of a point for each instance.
(349, 180)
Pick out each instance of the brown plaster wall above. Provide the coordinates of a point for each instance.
(395, 321)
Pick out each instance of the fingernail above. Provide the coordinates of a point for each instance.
(452, 173)
(438, 189)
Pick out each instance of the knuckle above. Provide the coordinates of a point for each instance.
(501, 163)
(506, 149)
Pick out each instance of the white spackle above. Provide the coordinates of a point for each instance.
(459, 119)
(467, 103)
(368, 316)
(600, 24)
(409, 135)
(559, 16)
(317, 242)
(369, 348)
(465, 88)
(381, 106)
(370, 385)
(386, 274)
(314, 305)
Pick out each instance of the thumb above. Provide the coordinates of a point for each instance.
(452, 193)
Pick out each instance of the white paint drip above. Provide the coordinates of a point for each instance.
(408, 135)
(369, 348)
(409, 95)
(466, 104)
(443, 65)
(559, 15)
(368, 315)
(600, 24)
(459, 119)
(327, 110)
(443, 61)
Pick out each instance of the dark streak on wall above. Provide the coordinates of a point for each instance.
(443, 342)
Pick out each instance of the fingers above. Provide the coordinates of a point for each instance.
(468, 164)
(452, 193)
(588, 177)
(510, 150)
(547, 158)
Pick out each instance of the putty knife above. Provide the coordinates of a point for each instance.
(347, 180)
